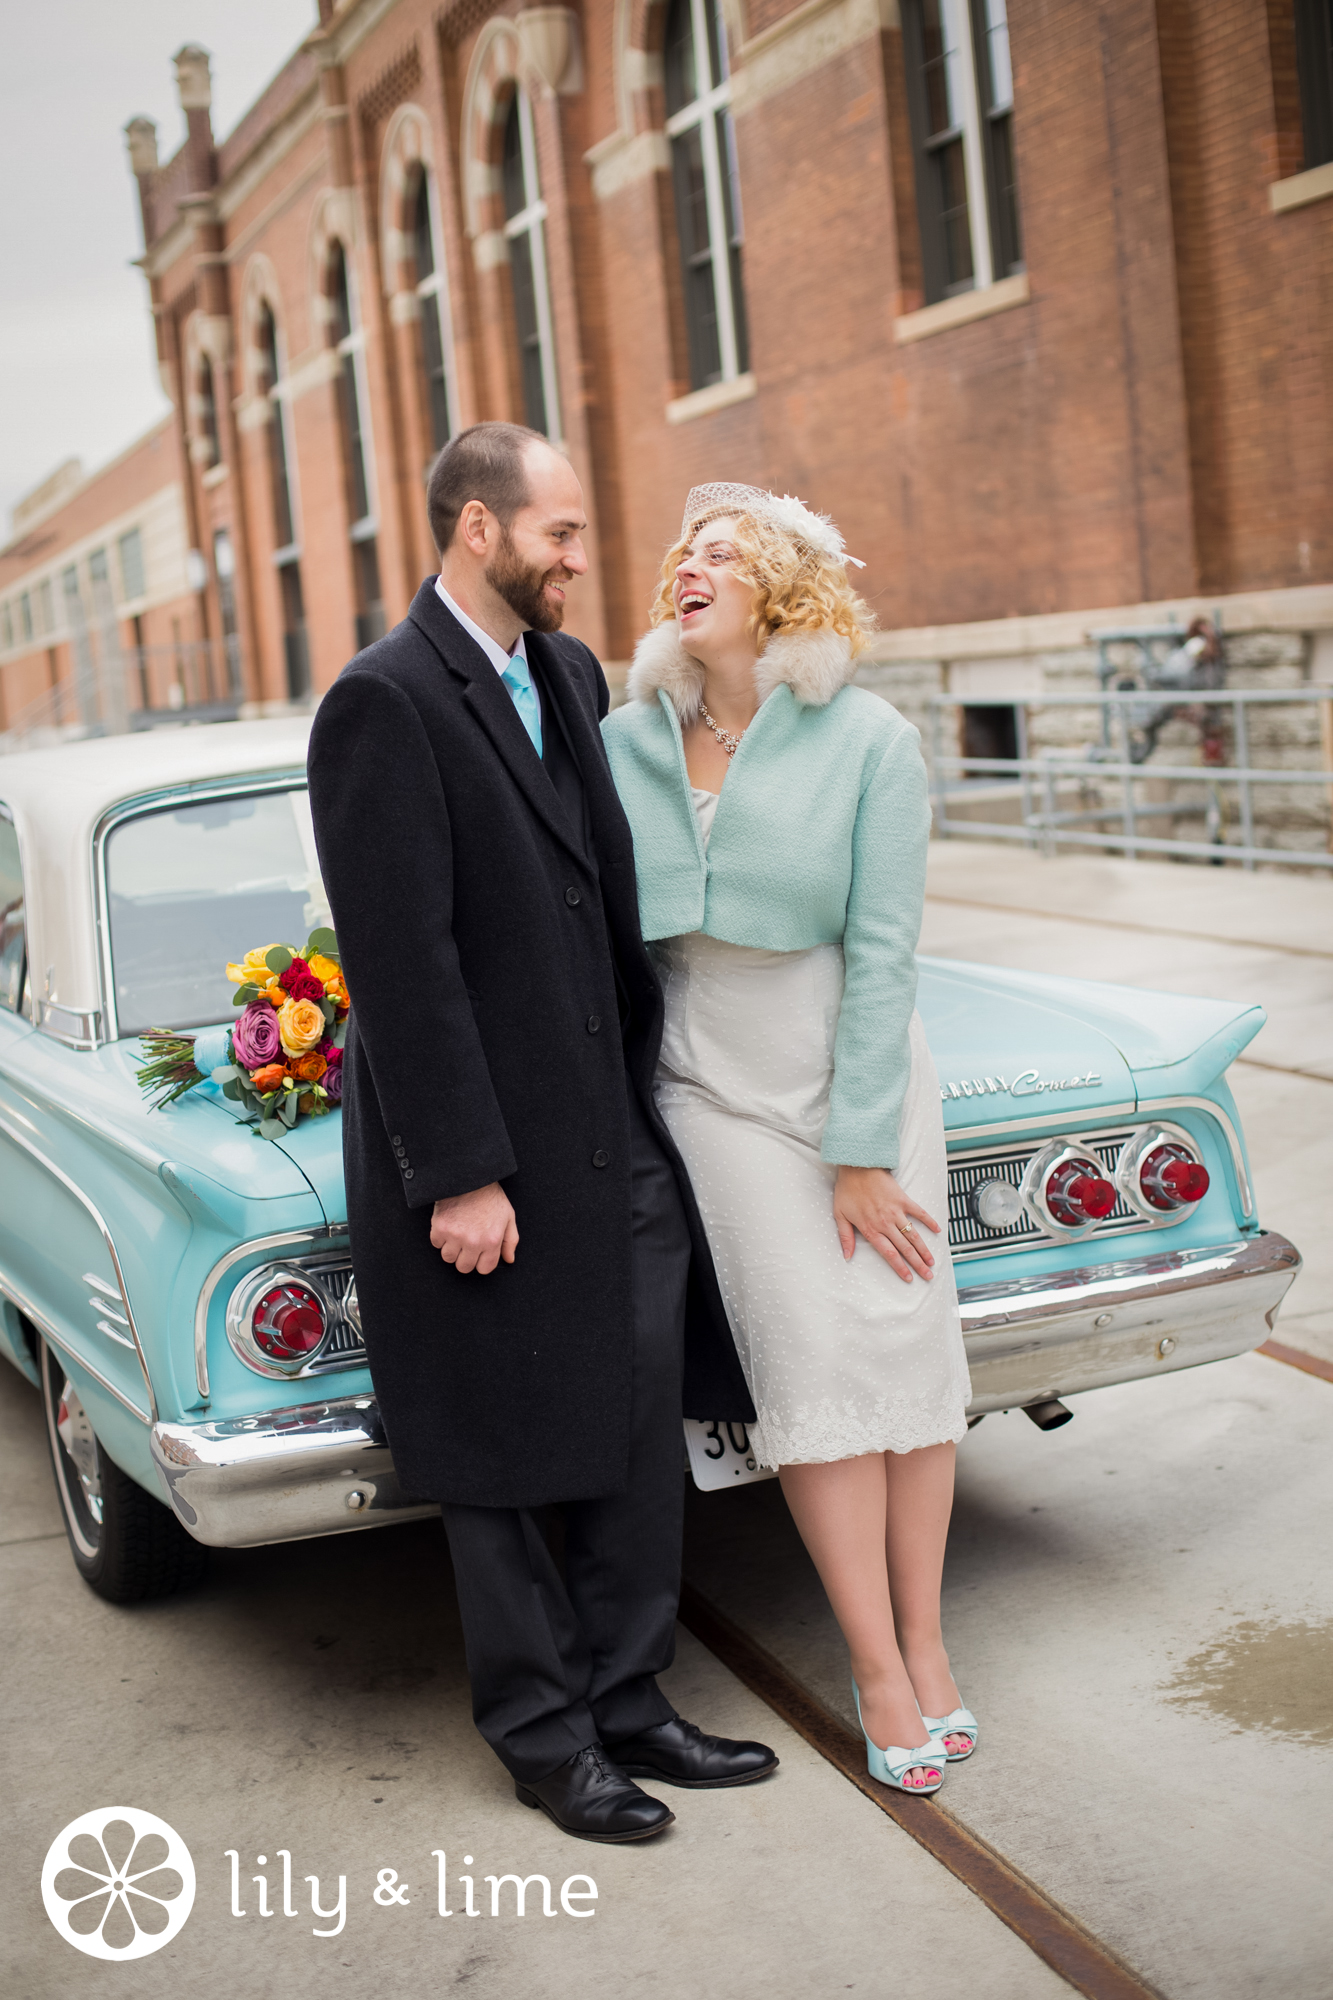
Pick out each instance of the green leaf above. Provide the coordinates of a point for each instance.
(324, 941)
(233, 1090)
(287, 1110)
(244, 994)
(270, 1128)
(329, 1011)
(279, 959)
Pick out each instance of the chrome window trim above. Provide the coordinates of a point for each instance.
(36, 1153)
(321, 1233)
(239, 786)
(43, 1325)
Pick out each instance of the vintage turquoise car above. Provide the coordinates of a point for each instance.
(182, 1291)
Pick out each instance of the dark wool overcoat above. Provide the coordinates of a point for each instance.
(485, 1045)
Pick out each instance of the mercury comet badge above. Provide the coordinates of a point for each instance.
(1027, 1083)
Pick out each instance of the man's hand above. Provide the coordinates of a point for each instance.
(474, 1231)
(869, 1201)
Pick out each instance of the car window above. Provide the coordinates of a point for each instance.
(12, 936)
(192, 888)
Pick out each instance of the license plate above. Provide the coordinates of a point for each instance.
(720, 1455)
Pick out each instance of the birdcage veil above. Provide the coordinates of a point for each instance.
(719, 497)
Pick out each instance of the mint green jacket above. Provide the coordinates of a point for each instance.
(819, 838)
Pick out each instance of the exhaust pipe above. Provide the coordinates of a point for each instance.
(1048, 1416)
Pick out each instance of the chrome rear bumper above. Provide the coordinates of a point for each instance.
(324, 1468)
(1033, 1338)
(316, 1469)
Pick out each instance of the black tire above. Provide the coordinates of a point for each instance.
(126, 1545)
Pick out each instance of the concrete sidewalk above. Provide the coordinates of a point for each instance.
(312, 1698)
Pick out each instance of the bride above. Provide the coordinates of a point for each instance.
(780, 823)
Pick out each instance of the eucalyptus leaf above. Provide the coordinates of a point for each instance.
(232, 1089)
(325, 942)
(225, 1074)
(245, 994)
(278, 960)
(288, 1109)
(270, 1128)
(329, 1011)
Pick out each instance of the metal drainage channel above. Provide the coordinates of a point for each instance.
(1044, 1927)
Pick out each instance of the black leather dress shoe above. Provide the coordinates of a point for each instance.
(591, 1798)
(679, 1753)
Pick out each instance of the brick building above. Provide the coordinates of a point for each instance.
(98, 591)
(1041, 309)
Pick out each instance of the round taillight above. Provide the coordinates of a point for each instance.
(287, 1323)
(1170, 1177)
(1077, 1192)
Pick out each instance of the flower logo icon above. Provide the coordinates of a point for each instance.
(118, 1883)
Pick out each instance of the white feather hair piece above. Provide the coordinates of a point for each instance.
(817, 531)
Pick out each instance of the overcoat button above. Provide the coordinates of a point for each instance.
(572, 897)
(594, 1023)
(408, 1173)
(397, 1139)
(601, 1158)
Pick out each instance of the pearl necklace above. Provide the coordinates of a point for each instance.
(731, 744)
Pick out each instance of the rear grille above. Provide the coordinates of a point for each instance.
(344, 1347)
(970, 1238)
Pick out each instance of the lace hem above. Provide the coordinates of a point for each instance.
(822, 1433)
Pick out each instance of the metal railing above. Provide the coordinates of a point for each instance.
(138, 687)
(1041, 784)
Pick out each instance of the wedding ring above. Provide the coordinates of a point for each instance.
(907, 1228)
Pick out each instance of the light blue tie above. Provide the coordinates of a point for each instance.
(519, 682)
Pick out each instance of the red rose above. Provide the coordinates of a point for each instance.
(298, 982)
(333, 1057)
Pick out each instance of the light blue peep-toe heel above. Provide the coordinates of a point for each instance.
(961, 1722)
(892, 1764)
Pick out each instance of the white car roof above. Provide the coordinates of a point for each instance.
(58, 797)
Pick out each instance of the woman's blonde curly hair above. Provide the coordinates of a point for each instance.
(796, 588)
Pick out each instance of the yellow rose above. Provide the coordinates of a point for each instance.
(301, 1025)
(253, 968)
(324, 969)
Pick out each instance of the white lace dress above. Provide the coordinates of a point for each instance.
(841, 1357)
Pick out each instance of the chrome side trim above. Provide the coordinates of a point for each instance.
(1096, 1114)
(321, 1233)
(35, 1153)
(1229, 1133)
(48, 1332)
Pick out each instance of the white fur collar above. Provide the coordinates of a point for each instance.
(814, 665)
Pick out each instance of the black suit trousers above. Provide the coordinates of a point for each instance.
(562, 1657)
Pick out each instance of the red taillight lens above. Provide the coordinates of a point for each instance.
(1169, 1178)
(1077, 1192)
(288, 1323)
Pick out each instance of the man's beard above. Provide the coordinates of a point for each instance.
(523, 588)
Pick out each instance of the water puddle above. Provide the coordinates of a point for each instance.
(1268, 1676)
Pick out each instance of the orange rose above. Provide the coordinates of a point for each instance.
(268, 1078)
(336, 990)
(274, 995)
(301, 1024)
(310, 1068)
(324, 968)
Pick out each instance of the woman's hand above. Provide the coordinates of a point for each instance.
(868, 1201)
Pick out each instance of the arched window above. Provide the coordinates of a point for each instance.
(286, 556)
(525, 214)
(707, 190)
(349, 342)
(430, 291)
(208, 412)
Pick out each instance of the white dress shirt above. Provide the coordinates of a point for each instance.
(493, 650)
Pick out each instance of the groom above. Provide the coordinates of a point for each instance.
(535, 1287)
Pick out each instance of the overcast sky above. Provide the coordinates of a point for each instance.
(78, 377)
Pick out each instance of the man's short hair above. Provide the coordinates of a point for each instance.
(484, 463)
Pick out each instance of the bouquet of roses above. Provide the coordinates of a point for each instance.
(282, 1057)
